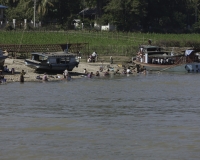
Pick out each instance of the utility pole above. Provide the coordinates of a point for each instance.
(83, 8)
(34, 13)
(196, 12)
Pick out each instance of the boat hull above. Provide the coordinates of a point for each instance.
(2, 61)
(187, 67)
(50, 67)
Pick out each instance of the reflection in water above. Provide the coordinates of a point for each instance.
(135, 117)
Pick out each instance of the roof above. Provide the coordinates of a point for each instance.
(4, 7)
(150, 48)
(76, 20)
(53, 54)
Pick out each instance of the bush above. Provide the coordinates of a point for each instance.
(9, 27)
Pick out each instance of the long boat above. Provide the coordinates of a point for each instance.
(52, 61)
(154, 58)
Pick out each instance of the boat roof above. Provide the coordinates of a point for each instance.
(163, 54)
(53, 54)
(148, 48)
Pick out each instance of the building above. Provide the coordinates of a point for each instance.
(2, 17)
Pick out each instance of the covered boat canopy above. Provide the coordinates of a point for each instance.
(53, 54)
(148, 48)
(188, 52)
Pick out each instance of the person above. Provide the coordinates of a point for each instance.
(89, 59)
(96, 59)
(79, 55)
(6, 69)
(93, 57)
(128, 71)
(116, 72)
(124, 71)
(45, 78)
(65, 73)
(149, 41)
(90, 75)
(144, 71)
(85, 71)
(97, 73)
(111, 60)
(107, 73)
(22, 76)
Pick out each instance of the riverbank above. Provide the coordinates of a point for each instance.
(30, 76)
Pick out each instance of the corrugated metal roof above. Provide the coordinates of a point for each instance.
(1, 6)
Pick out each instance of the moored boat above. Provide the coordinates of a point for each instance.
(52, 61)
(154, 58)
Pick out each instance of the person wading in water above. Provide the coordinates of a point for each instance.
(22, 76)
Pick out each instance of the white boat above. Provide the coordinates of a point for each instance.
(52, 61)
(153, 58)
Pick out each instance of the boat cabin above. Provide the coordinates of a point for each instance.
(156, 55)
(53, 61)
(52, 58)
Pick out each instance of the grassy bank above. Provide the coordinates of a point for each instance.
(104, 43)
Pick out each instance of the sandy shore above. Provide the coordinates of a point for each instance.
(19, 65)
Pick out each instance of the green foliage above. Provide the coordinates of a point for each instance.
(9, 27)
(169, 16)
(104, 43)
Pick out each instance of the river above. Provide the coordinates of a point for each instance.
(153, 116)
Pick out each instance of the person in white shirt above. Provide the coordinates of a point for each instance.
(128, 71)
(65, 73)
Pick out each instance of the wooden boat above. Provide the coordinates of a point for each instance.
(154, 58)
(52, 61)
(3, 56)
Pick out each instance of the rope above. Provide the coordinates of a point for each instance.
(170, 66)
(20, 41)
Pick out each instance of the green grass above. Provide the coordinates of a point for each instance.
(104, 43)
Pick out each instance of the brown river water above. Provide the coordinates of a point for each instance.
(153, 116)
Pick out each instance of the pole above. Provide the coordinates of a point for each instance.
(34, 13)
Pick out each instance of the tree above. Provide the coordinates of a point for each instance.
(126, 14)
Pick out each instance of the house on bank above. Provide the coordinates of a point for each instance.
(2, 16)
(91, 13)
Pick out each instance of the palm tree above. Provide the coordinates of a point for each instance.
(196, 4)
(41, 5)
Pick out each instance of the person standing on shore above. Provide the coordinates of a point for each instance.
(111, 60)
(22, 76)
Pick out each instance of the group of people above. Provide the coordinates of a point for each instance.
(92, 58)
(106, 73)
